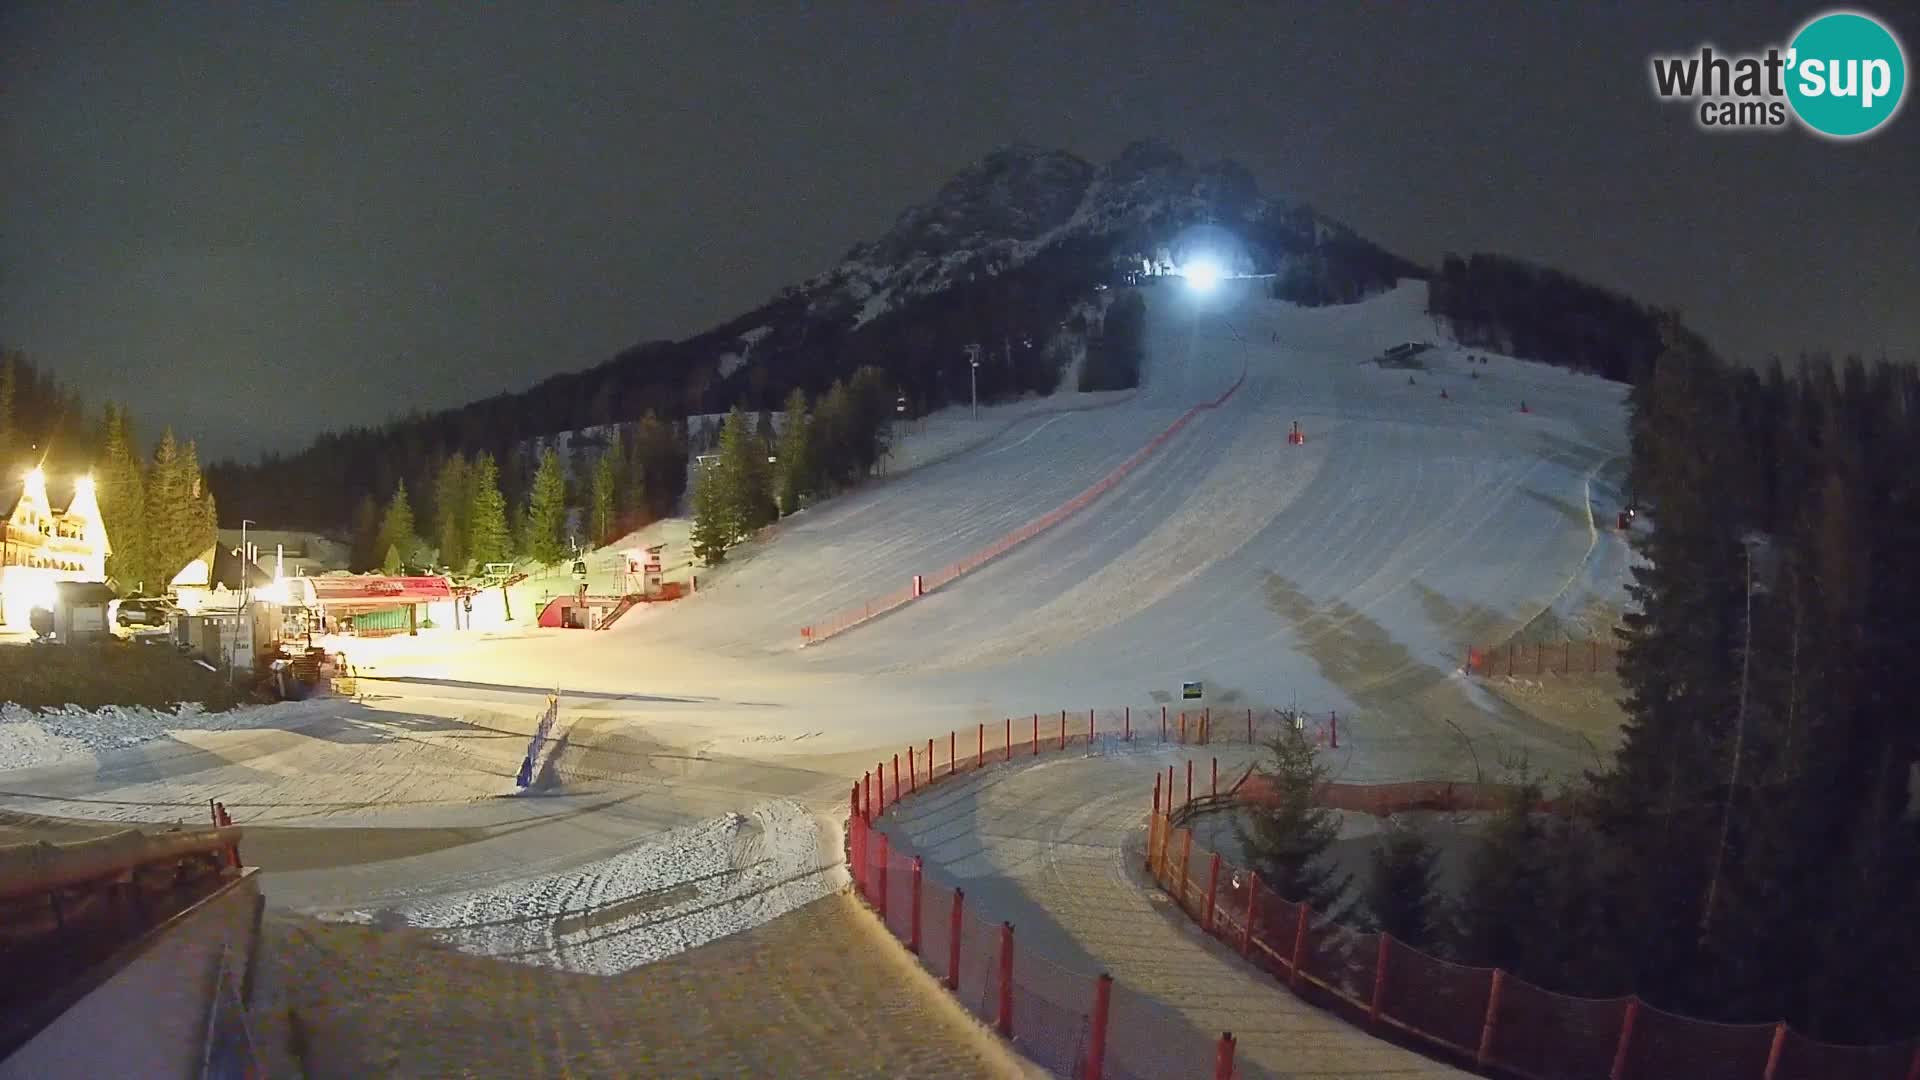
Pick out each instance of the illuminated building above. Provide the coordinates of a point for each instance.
(40, 545)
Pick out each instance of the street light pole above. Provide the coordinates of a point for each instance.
(973, 377)
(246, 580)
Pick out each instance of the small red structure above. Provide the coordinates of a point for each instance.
(1296, 437)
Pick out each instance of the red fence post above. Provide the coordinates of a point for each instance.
(1186, 863)
(1097, 1037)
(1223, 1057)
(1774, 1051)
(1063, 729)
(896, 776)
(880, 880)
(1249, 727)
(1213, 889)
(1246, 933)
(857, 833)
(1333, 728)
(953, 939)
(1163, 723)
(1006, 979)
(1127, 725)
(1154, 820)
(1089, 728)
(1206, 724)
(980, 754)
(1033, 746)
(866, 797)
(1189, 783)
(1619, 1071)
(1493, 1018)
(1299, 945)
(952, 745)
(1183, 727)
(913, 773)
(854, 813)
(913, 933)
(880, 781)
(1216, 777)
(1379, 980)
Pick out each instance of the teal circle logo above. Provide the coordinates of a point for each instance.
(1846, 74)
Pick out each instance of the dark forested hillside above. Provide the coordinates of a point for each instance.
(1008, 256)
(1535, 313)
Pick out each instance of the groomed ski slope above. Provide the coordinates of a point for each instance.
(1344, 574)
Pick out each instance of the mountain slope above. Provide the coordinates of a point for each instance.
(1010, 253)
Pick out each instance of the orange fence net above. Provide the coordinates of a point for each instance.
(1483, 1016)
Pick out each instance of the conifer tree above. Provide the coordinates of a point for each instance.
(604, 497)
(795, 454)
(170, 518)
(1400, 893)
(488, 538)
(712, 523)
(121, 491)
(743, 478)
(546, 515)
(397, 539)
(1286, 836)
(366, 531)
(453, 509)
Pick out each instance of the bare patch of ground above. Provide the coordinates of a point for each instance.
(815, 993)
(1588, 705)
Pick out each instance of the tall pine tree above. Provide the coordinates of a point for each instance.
(546, 515)
(488, 539)
(121, 491)
(453, 509)
(397, 539)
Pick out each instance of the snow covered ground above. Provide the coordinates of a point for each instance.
(1343, 574)
(668, 894)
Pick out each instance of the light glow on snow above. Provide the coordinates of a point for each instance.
(1202, 274)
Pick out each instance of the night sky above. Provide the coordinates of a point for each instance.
(255, 223)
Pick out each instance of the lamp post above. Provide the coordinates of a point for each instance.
(246, 580)
(973, 377)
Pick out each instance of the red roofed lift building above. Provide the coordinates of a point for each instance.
(374, 606)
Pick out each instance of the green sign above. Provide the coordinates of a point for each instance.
(1189, 691)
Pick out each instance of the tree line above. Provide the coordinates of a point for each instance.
(1535, 313)
(823, 447)
(463, 518)
(1752, 852)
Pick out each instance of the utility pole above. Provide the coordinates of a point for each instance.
(246, 608)
(973, 377)
(1752, 542)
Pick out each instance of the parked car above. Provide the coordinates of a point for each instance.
(143, 613)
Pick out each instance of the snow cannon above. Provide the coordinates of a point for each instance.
(1296, 437)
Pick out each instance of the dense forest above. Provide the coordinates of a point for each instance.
(1535, 313)
(1752, 853)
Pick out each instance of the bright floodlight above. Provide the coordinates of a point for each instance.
(1203, 274)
